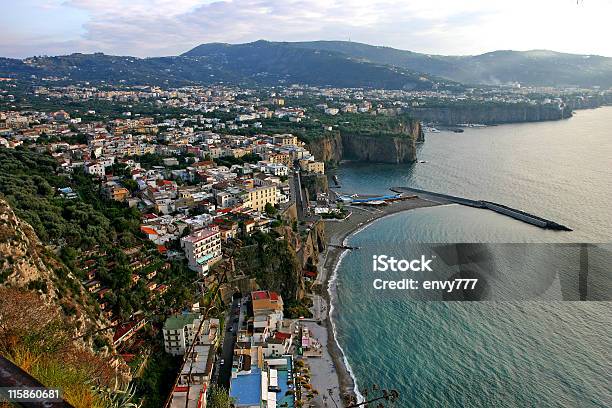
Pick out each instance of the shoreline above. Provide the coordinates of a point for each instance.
(337, 233)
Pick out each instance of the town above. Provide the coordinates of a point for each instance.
(220, 200)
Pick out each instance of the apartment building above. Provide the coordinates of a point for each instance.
(180, 332)
(285, 140)
(312, 166)
(258, 197)
(202, 248)
(267, 314)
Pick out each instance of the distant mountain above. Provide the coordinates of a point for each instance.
(322, 63)
(537, 67)
(100, 67)
(259, 62)
(271, 62)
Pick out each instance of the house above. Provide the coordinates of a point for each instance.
(258, 197)
(95, 169)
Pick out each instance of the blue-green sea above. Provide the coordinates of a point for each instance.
(485, 354)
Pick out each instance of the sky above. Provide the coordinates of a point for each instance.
(146, 28)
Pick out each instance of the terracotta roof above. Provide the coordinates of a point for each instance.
(148, 230)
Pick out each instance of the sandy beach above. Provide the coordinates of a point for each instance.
(336, 232)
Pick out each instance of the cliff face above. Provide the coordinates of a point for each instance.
(20, 254)
(380, 149)
(489, 115)
(26, 264)
(328, 149)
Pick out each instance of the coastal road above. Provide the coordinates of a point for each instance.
(227, 351)
(301, 200)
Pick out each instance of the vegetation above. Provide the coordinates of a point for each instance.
(295, 309)
(36, 337)
(218, 397)
(157, 379)
(229, 161)
(272, 262)
(29, 181)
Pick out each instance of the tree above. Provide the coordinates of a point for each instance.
(218, 397)
(270, 209)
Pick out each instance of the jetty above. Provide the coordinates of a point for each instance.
(488, 205)
(343, 246)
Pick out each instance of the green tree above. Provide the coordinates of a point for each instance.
(218, 397)
(270, 209)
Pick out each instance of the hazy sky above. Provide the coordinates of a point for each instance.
(169, 27)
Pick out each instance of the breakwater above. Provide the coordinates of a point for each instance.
(496, 207)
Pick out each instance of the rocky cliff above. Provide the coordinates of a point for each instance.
(372, 148)
(490, 114)
(379, 149)
(26, 264)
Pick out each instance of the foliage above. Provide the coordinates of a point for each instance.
(117, 396)
(229, 161)
(270, 209)
(36, 337)
(29, 182)
(295, 310)
(157, 379)
(218, 397)
(272, 262)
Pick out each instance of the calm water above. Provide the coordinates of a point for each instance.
(502, 354)
(558, 170)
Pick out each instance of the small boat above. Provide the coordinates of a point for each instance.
(422, 161)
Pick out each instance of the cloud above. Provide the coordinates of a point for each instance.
(169, 27)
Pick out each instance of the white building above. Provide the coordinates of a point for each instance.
(202, 248)
(180, 331)
(276, 169)
(95, 169)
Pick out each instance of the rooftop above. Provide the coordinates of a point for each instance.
(179, 321)
(246, 388)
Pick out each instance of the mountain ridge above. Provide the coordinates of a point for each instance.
(324, 63)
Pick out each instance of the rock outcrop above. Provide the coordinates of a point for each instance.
(489, 114)
(21, 254)
(25, 263)
(371, 148)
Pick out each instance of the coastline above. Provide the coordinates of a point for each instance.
(337, 233)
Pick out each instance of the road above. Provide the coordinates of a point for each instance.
(301, 200)
(227, 351)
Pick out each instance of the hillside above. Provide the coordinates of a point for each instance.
(537, 67)
(270, 62)
(260, 62)
(47, 312)
(321, 63)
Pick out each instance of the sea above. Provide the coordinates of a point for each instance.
(523, 352)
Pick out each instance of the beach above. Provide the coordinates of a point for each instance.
(336, 234)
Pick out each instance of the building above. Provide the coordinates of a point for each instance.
(117, 193)
(196, 372)
(202, 248)
(285, 140)
(267, 314)
(180, 332)
(95, 169)
(258, 197)
(312, 166)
